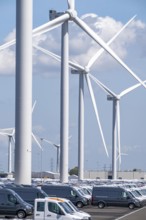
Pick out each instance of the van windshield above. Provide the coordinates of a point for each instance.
(81, 192)
(43, 194)
(73, 206)
(66, 207)
(18, 198)
(136, 193)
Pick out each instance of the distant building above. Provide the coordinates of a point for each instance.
(46, 174)
(136, 174)
(90, 174)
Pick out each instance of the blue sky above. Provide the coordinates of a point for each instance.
(130, 46)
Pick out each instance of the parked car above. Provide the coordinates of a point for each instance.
(113, 196)
(66, 191)
(12, 204)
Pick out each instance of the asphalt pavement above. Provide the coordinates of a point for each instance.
(108, 213)
(116, 213)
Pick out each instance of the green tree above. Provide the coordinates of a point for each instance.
(74, 171)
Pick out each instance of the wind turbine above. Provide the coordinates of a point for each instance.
(116, 120)
(119, 160)
(80, 139)
(10, 133)
(70, 14)
(57, 146)
(10, 136)
(83, 71)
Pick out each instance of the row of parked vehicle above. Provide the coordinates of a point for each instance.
(20, 200)
(120, 194)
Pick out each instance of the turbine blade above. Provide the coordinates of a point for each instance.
(102, 86)
(4, 134)
(53, 55)
(6, 129)
(95, 37)
(35, 139)
(34, 104)
(7, 44)
(96, 111)
(13, 132)
(41, 29)
(100, 52)
(57, 145)
(71, 4)
(130, 89)
(13, 139)
(58, 58)
(50, 25)
(49, 142)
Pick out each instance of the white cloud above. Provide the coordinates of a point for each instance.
(11, 36)
(82, 47)
(7, 62)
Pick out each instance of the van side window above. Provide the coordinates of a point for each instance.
(11, 198)
(73, 193)
(53, 207)
(124, 195)
(40, 206)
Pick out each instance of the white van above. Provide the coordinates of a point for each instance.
(75, 210)
(55, 208)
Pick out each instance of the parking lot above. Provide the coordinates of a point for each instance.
(109, 213)
(116, 213)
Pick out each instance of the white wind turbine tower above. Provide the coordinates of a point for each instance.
(83, 71)
(9, 132)
(24, 48)
(116, 120)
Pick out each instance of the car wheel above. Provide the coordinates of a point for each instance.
(131, 206)
(101, 205)
(21, 214)
(79, 204)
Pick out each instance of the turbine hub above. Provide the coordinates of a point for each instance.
(86, 69)
(72, 13)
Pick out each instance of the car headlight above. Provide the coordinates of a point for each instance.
(28, 207)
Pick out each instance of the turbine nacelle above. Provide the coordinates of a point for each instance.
(54, 14)
(113, 98)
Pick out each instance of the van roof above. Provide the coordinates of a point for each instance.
(57, 199)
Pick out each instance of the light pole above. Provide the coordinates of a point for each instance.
(41, 158)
